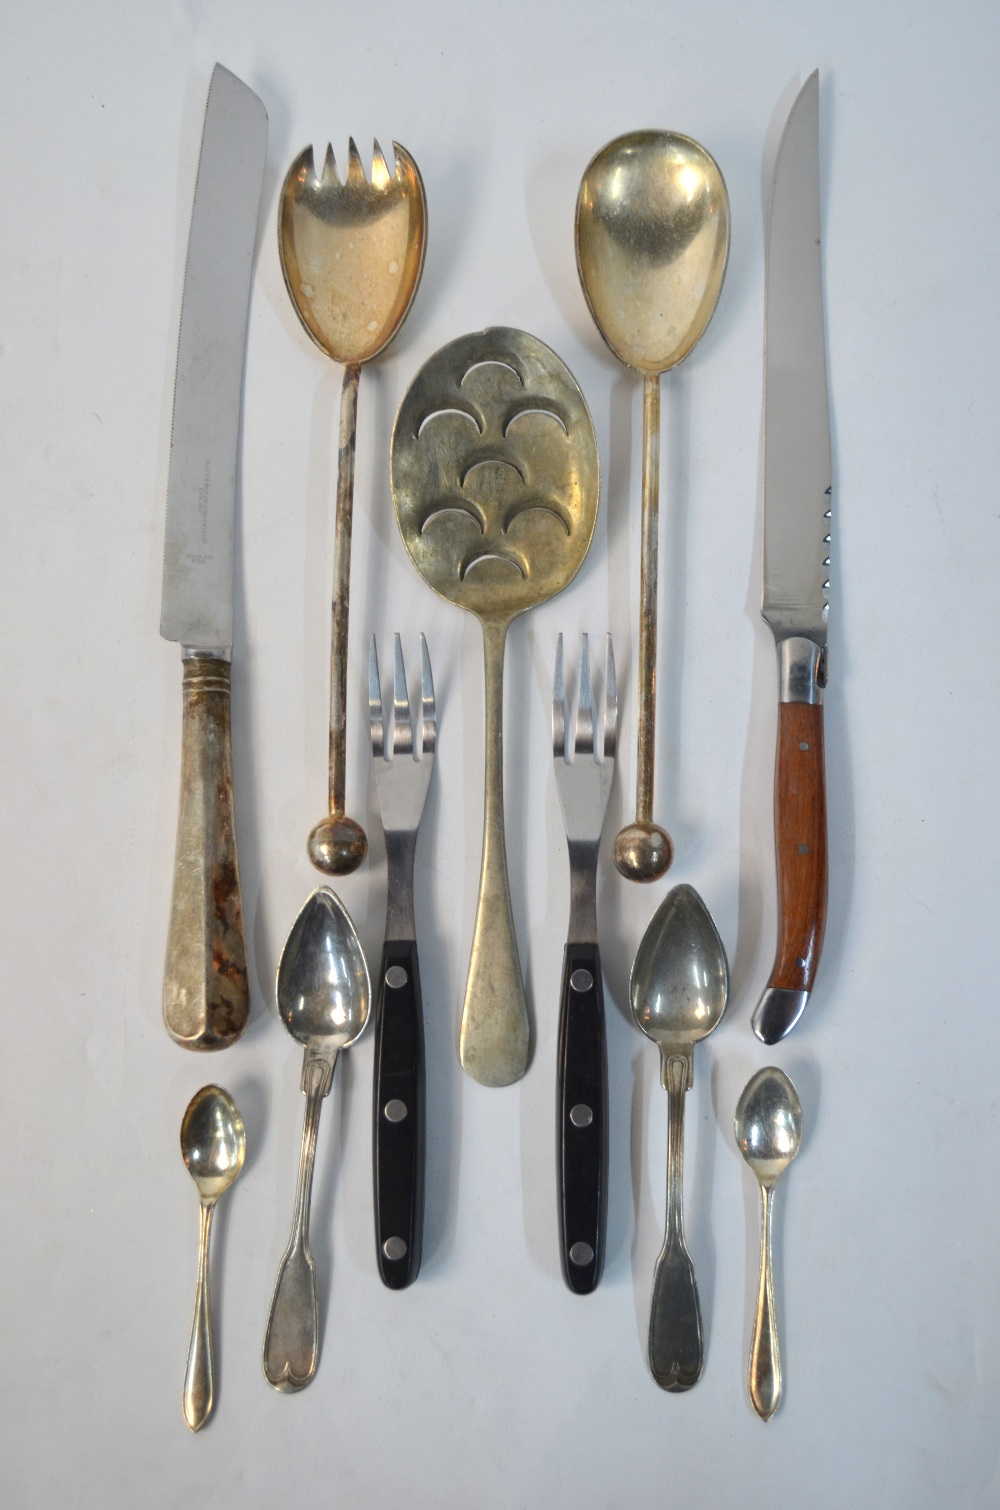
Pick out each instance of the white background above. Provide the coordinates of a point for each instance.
(487, 1383)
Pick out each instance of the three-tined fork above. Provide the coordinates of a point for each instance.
(583, 783)
(401, 781)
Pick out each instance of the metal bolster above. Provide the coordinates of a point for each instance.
(801, 670)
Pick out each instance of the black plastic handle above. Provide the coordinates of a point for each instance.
(398, 1116)
(582, 1110)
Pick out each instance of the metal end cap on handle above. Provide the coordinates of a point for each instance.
(777, 1013)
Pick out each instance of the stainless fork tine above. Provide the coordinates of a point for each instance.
(428, 709)
(375, 715)
(559, 706)
(610, 704)
(402, 733)
(584, 743)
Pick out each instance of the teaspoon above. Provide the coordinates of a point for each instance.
(323, 998)
(213, 1146)
(678, 990)
(768, 1128)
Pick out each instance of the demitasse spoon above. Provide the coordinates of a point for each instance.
(768, 1128)
(213, 1146)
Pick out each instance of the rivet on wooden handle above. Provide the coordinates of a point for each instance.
(206, 997)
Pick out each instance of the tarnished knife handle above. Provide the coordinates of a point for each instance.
(800, 842)
(206, 997)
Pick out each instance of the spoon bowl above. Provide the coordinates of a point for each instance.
(322, 984)
(213, 1146)
(680, 979)
(768, 1129)
(213, 1141)
(768, 1124)
(678, 991)
(652, 242)
(323, 996)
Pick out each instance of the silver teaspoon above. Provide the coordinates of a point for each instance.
(678, 990)
(768, 1128)
(213, 1146)
(323, 998)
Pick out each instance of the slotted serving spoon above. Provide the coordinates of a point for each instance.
(495, 479)
(351, 254)
(652, 241)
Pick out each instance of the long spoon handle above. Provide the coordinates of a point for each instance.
(643, 850)
(493, 1044)
(291, 1342)
(199, 1376)
(764, 1375)
(676, 1352)
(647, 598)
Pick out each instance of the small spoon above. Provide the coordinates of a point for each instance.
(768, 1128)
(213, 1146)
(323, 998)
(678, 989)
(652, 241)
(351, 254)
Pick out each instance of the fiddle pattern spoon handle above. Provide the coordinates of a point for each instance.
(291, 1341)
(676, 1349)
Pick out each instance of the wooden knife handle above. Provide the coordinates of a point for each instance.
(398, 1116)
(800, 845)
(582, 1108)
(206, 995)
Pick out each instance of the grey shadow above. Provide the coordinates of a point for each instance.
(517, 757)
(550, 202)
(623, 1052)
(698, 1187)
(337, 1110)
(644, 1240)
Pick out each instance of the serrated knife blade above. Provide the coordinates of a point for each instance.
(796, 556)
(205, 993)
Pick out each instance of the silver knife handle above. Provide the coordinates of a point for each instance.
(206, 996)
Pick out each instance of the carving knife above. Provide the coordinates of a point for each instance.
(206, 998)
(797, 525)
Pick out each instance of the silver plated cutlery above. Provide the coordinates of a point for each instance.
(583, 781)
(797, 527)
(206, 995)
(402, 778)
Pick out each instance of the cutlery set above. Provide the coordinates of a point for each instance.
(495, 480)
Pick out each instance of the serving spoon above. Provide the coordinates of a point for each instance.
(768, 1128)
(351, 254)
(323, 998)
(495, 481)
(652, 241)
(678, 989)
(213, 1146)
